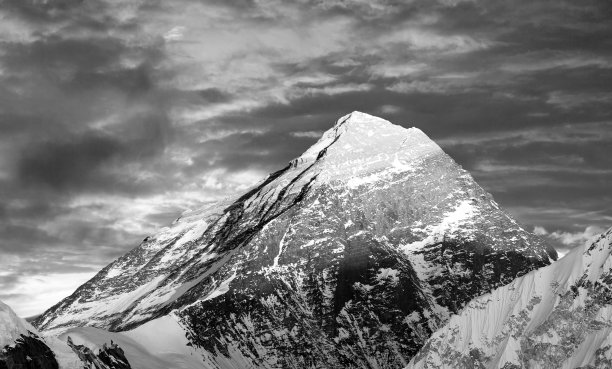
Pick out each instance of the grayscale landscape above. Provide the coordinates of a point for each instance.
(332, 184)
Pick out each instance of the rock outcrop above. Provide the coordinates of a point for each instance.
(27, 352)
(108, 357)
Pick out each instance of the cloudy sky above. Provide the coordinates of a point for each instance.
(115, 116)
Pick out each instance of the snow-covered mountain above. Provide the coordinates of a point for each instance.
(350, 256)
(559, 316)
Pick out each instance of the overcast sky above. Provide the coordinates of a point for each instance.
(115, 116)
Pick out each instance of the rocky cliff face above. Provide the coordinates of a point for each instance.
(28, 352)
(559, 316)
(108, 357)
(350, 256)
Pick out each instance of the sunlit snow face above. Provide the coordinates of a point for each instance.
(116, 116)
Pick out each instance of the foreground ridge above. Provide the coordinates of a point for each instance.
(22, 346)
(559, 316)
(350, 256)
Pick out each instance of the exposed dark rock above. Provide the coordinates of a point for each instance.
(111, 357)
(28, 352)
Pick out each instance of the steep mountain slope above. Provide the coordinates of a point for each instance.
(348, 257)
(559, 316)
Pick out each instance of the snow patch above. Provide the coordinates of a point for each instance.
(385, 274)
(221, 289)
(451, 222)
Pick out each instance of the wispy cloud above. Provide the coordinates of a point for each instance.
(570, 240)
(569, 101)
(541, 61)
(397, 70)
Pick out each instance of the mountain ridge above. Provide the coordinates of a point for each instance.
(354, 253)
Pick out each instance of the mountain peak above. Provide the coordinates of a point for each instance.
(362, 143)
(358, 118)
(370, 125)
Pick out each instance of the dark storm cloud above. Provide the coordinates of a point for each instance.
(61, 86)
(24, 239)
(39, 10)
(214, 95)
(83, 162)
(62, 165)
(71, 80)
(54, 52)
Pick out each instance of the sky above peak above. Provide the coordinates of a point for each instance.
(116, 116)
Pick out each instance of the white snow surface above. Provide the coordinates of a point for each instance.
(496, 322)
(452, 222)
(358, 150)
(357, 137)
(11, 326)
(157, 344)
